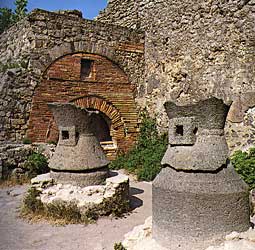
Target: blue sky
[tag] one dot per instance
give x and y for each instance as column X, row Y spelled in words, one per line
column 89, row 8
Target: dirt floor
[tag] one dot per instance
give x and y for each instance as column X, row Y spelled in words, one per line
column 17, row 234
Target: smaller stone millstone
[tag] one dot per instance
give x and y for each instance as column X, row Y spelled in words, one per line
column 79, row 158
column 198, row 197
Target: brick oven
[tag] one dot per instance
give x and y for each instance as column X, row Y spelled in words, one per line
column 93, row 82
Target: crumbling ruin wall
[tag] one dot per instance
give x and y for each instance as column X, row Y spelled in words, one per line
column 121, row 12
column 17, row 80
column 194, row 50
column 30, row 46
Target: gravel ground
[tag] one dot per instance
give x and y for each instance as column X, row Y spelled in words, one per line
column 17, row 234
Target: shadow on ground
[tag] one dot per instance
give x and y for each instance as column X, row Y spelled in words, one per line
column 134, row 201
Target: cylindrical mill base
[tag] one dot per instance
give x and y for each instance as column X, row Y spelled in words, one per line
column 193, row 210
column 82, row 179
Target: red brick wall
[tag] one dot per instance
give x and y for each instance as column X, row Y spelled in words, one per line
column 107, row 90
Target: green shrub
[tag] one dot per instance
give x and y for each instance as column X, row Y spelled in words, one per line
column 144, row 159
column 8, row 17
column 244, row 164
column 36, row 164
column 59, row 213
column 119, row 246
column 31, row 203
column 26, row 141
column 68, row 212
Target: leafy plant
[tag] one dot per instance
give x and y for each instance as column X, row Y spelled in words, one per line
column 8, row 17
column 244, row 164
column 119, row 246
column 31, row 203
column 36, row 164
column 26, row 141
column 144, row 159
column 21, row 9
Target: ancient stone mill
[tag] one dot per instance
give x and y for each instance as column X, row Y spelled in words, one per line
column 79, row 169
column 79, row 159
column 82, row 84
column 198, row 198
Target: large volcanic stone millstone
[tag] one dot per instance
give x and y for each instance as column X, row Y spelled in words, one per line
column 79, row 158
column 197, row 197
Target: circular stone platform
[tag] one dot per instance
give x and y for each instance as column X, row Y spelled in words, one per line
column 102, row 199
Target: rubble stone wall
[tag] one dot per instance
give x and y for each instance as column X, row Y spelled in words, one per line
column 29, row 47
column 17, row 80
column 12, row 158
column 193, row 50
column 122, row 12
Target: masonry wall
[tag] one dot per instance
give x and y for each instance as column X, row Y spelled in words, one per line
column 122, row 12
column 17, row 80
column 29, row 47
column 193, row 50
column 107, row 89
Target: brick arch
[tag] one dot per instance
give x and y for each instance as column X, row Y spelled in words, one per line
column 107, row 90
column 117, row 129
column 66, row 48
column 100, row 104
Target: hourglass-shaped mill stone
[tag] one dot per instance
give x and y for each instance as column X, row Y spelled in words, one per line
column 198, row 197
column 79, row 158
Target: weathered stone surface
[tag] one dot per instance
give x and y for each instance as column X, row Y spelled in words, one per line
column 141, row 238
column 194, row 49
column 42, row 180
column 136, row 239
column 101, row 199
column 198, row 209
column 196, row 136
column 1, row 169
column 198, row 184
column 240, row 136
column 235, row 240
column 83, row 179
column 12, row 158
column 78, row 149
column 78, row 159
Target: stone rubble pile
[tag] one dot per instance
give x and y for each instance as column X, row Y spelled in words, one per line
column 141, row 238
column 99, row 196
